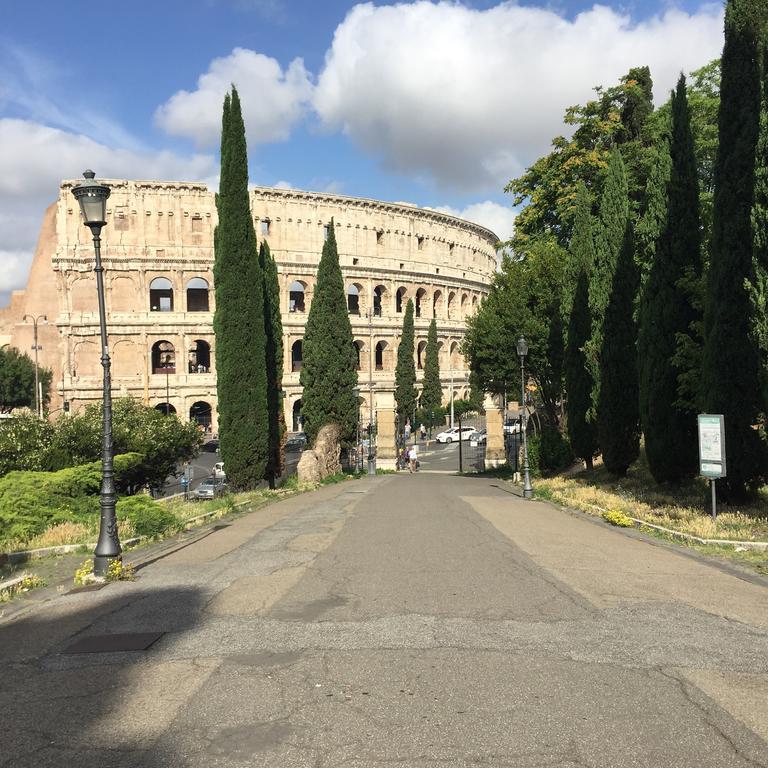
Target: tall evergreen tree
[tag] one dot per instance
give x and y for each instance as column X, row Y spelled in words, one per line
column 405, row 371
column 273, row 328
column 582, row 431
column 432, row 390
column 668, row 313
column 329, row 368
column 618, row 418
column 238, row 321
column 610, row 232
column 730, row 375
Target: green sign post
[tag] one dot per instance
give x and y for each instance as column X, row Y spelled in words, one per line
column 712, row 451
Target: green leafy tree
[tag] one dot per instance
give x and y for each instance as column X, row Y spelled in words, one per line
column 730, row 367
column 163, row 442
column 582, row 431
column 618, row 414
column 239, row 317
column 17, row 379
column 329, row 367
column 525, row 298
column 432, row 390
column 668, row 311
column 25, row 440
column 610, row 234
column 405, row 370
column 273, row 328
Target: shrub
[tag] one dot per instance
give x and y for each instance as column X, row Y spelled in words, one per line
column 147, row 517
column 617, row 517
column 549, row 451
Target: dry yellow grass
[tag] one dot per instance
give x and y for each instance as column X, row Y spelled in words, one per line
column 63, row 533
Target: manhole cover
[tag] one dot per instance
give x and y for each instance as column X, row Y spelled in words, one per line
column 137, row 641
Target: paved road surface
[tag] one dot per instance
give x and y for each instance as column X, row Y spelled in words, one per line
column 410, row 620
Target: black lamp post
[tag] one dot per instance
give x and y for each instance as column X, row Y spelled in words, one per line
column 522, row 351
column 356, row 393
column 36, row 347
column 92, row 197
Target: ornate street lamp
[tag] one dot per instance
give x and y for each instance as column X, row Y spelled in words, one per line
column 356, row 393
column 522, row 351
column 36, row 347
column 92, row 197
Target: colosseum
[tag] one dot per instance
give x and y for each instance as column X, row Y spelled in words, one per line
column 158, row 259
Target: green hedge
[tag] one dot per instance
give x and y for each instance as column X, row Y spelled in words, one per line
column 548, row 451
column 30, row 502
column 147, row 516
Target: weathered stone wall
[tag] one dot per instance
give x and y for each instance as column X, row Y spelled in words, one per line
column 322, row 460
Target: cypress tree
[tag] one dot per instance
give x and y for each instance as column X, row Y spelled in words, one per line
column 273, row 328
column 238, row 321
column 582, row 432
column 730, row 375
column 610, row 232
column 618, row 409
column 405, row 371
column 667, row 312
column 432, row 391
column 329, row 369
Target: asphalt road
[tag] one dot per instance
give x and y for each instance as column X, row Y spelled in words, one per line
column 409, row 620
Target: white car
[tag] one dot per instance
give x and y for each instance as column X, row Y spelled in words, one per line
column 453, row 434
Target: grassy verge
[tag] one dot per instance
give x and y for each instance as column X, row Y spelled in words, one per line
column 684, row 508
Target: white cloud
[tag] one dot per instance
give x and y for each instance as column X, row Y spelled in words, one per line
column 500, row 219
column 272, row 100
column 34, row 158
column 471, row 97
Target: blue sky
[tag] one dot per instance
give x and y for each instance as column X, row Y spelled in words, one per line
column 434, row 103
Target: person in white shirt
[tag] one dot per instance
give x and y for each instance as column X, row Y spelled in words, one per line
column 412, row 459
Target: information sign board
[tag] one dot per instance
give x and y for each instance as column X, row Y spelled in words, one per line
column 711, row 445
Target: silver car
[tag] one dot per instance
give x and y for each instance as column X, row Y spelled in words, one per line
column 210, row 488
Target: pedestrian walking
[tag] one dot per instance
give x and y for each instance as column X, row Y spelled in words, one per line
column 423, row 432
column 413, row 460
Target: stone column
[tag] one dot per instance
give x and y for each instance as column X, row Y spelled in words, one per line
column 386, row 450
column 495, row 454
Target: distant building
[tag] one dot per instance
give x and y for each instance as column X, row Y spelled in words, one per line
column 158, row 256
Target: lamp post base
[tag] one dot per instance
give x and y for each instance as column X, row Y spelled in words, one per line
column 371, row 465
column 101, row 564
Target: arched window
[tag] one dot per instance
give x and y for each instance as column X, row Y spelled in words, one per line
column 437, row 303
column 161, row 295
column 353, row 299
column 197, row 295
column 359, row 346
column 379, row 295
column 201, row 413
column 451, row 304
column 421, row 354
column 421, row 296
column 200, row 357
column 296, row 297
column 163, row 357
column 474, row 303
column 298, row 419
column 454, row 356
column 464, row 304
column 401, row 298
column 380, row 350
column 165, row 408
column 296, row 356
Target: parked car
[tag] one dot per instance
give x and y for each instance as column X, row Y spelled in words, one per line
column 512, row 427
column 212, row 446
column 210, row 488
column 478, row 437
column 453, row 434
column 218, row 471
column 296, row 442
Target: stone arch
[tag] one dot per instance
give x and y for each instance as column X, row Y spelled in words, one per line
column 379, row 298
column 87, row 356
column 401, row 299
column 420, row 302
column 359, row 349
column 437, row 304
column 166, row 408
column 296, row 355
column 297, row 416
column 125, row 359
column 297, row 296
column 83, row 296
column 454, row 359
column 198, row 295
column 199, row 357
column 201, row 412
column 451, row 305
column 123, row 294
column 464, row 304
column 383, row 356
column 474, row 304
column 421, row 354
column 161, row 295
column 163, row 357
column 355, row 299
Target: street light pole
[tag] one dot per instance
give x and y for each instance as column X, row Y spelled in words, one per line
column 92, row 198
column 36, row 347
column 522, row 351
